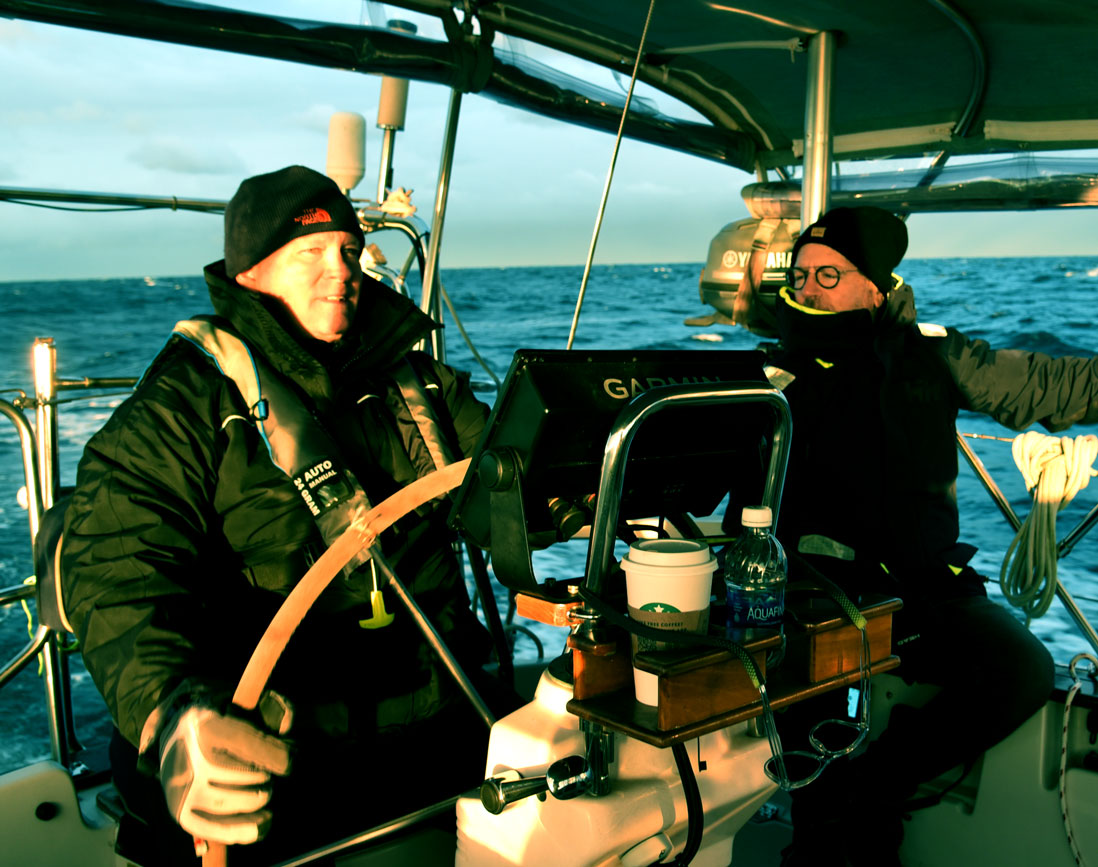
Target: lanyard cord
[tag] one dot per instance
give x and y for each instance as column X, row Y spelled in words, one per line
column 609, row 178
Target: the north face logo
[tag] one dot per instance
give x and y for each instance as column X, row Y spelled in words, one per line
column 313, row 215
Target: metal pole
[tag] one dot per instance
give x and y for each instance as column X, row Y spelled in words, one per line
column 436, row 642
column 56, row 685
column 816, row 184
column 1075, row 535
column 173, row 203
column 30, row 464
column 380, row 832
column 430, row 298
column 385, row 174
column 44, row 363
column 55, row 672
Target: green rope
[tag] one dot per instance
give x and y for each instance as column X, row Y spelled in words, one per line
column 32, row 580
column 818, row 579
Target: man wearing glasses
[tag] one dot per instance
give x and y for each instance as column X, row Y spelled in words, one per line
column 870, row 503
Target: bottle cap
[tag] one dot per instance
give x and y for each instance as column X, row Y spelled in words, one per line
column 756, row 516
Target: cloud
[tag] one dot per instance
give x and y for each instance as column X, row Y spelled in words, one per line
column 174, row 156
column 79, row 111
column 315, row 117
column 15, row 32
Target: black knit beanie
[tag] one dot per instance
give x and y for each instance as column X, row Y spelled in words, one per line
column 871, row 238
column 270, row 210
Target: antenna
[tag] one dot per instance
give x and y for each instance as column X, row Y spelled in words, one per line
column 391, row 107
column 346, row 149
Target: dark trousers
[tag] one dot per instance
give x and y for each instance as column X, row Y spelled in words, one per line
column 993, row 674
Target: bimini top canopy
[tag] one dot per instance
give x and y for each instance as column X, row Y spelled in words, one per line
column 910, row 76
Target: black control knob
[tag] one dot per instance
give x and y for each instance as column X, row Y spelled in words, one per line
column 566, row 518
column 497, row 469
column 569, row 777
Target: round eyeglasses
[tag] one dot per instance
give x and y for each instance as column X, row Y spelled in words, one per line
column 828, row 276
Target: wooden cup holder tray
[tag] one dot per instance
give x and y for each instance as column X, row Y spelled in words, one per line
column 704, row 690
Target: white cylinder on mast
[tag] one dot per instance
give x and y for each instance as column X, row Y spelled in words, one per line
column 392, row 103
column 346, row 149
column 393, row 100
column 391, row 108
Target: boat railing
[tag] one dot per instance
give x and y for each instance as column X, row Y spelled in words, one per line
column 39, row 450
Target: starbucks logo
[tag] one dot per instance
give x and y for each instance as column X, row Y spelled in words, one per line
column 660, row 608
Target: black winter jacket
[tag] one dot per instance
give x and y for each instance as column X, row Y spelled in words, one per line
column 183, row 539
column 873, row 461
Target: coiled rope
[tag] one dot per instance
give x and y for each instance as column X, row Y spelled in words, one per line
column 1055, row 469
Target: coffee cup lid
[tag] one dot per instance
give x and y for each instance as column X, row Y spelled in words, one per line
column 669, row 552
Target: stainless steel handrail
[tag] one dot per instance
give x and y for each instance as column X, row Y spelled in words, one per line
column 39, row 449
column 603, row 530
column 16, row 663
column 15, row 593
column 401, row 823
column 28, row 447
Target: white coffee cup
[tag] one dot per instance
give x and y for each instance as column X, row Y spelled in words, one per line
column 668, row 585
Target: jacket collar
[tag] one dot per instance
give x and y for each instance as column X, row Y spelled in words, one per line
column 830, row 335
column 386, row 326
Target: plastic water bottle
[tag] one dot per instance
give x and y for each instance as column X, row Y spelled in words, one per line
column 755, row 573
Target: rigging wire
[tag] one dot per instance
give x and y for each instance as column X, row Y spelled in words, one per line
column 465, row 335
column 79, row 210
column 609, row 178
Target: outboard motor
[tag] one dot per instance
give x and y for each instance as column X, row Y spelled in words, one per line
column 748, row 259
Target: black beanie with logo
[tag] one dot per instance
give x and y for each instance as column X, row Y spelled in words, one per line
column 271, row 210
column 873, row 239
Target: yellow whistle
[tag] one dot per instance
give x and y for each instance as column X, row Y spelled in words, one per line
column 379, row 617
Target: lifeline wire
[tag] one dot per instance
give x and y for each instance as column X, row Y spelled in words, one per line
column 609, row 178
column 1055, row 469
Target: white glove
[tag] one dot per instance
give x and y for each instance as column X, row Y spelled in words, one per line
column 216, row 772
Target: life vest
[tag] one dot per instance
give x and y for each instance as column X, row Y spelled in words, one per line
column 296, row 441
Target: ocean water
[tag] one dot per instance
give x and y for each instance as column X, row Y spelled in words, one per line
column 115, row 327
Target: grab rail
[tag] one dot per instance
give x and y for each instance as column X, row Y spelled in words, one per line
column 39, row 450
column 600, row 550
column 27, row 446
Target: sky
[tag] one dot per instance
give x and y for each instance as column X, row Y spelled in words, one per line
column 99, row 113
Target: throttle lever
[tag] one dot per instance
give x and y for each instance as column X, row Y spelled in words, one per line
column 496, row 793
column 565, row 779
